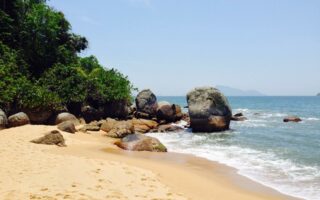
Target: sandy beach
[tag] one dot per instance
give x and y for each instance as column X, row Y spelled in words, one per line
column 91, row 167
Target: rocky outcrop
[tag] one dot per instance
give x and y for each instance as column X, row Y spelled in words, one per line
column 3, row 120
column 144, row 125
column 65, row 116
column 146, row 104
column 139, row 142
column 38, row 116
column 209, row 110
column 292, row 119
column 117, row 129
column 18, row 119
column 238, row 117
column 51, row 138
column 168, row 112
column 67, row 126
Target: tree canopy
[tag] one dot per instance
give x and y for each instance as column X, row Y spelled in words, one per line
column 39, row 63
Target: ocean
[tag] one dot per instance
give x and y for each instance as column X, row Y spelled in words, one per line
column 284, row 156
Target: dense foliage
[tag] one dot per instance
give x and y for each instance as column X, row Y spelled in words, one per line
column 39, row 63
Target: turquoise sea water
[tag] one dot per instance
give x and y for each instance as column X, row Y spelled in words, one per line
column 284, row 156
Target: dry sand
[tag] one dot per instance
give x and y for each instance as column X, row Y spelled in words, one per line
column 91, row 167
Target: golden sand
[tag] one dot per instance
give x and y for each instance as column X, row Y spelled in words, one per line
column 91, row 167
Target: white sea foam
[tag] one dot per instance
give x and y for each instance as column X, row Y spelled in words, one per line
column 264, row 167
column 311, row 119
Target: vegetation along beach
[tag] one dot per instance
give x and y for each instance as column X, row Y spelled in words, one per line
column 159, row 100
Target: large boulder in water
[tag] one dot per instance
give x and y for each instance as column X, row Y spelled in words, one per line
column 18, row 119
column 209, row 110
column 146, row 104
column 3, row 120
column 168, row 112
column 139, row 142
column 51, row 138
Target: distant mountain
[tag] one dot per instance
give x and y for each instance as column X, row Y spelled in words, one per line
column 229, row 91
column 318, row 94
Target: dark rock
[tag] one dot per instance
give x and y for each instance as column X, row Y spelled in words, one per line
column 51, row 138
column 242, row 118
column 139, row 142
column 38, row 116
column 65, row 116
column 146, row 104
column 238, row 115
column 168, row 112
column 117, row 129
column 292, row 119
column 67, row 126
column 209, row 110
column 90, row 113
column 169, row 128
column 18, row 119
column 143, row 125
column 3, row 120
column 116, row 109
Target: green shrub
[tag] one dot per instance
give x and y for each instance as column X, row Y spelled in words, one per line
column 66, row 82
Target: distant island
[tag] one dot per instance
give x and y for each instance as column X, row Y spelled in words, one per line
column 229, row 91
column 318, row 94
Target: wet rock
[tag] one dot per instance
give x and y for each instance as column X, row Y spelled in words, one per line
column 139, row 142
column 238, row 117
column 67, row 126
column 292, row 119
column 51, row 138
column 209, row 110
column 18, row 119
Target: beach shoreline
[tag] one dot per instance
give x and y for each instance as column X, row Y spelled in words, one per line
column 82, row 170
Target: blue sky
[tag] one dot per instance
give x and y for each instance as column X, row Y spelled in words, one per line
column 171, row 46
